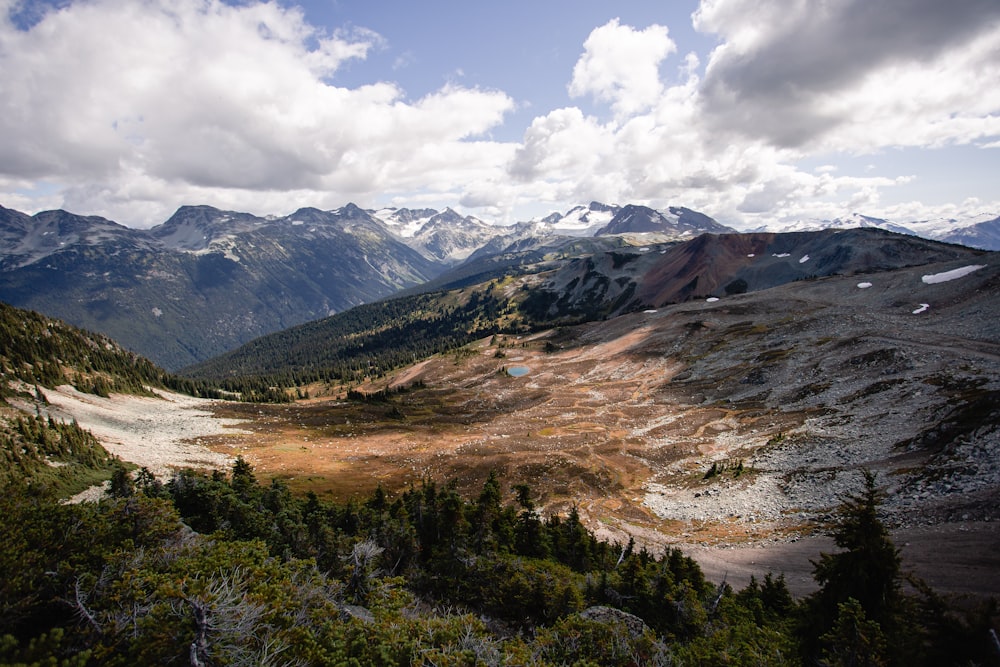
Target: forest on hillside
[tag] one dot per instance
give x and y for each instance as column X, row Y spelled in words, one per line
column 367, row 340
column 221, row 569
column 42, row 351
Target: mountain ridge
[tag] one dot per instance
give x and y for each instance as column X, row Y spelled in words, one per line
column 207, row 280
column 596, row 285
column 979, row 231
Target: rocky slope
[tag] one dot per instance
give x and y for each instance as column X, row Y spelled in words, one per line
column 747, row 411
column 741, row 420
column 713, row 424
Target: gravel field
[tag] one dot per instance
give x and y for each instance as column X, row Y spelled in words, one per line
column 161, row 433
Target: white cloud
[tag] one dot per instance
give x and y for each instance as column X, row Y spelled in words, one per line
column 789, row 81
column 129, row 109
column 620, row 65
column 133, row 103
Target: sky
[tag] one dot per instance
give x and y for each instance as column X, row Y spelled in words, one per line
column 751, row 111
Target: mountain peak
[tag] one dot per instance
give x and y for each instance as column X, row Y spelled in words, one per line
column 352, row 210
column 677, row 222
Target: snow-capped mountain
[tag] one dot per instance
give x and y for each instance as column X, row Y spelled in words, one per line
column 205, row 280
column 981, row 231
column 26, row 239
column 404, row 222
column 451, row 237
column 445, row 236
column 581, row 220
column 201, row 228
column 676, row 222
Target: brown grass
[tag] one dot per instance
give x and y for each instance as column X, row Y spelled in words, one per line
column 575, row 429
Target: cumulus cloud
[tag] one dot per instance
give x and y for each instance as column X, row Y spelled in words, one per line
column 120, row 99
column 620, row 65
column 788, row 81
column 129, row 109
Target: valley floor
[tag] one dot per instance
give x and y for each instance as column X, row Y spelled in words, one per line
column 163, row 434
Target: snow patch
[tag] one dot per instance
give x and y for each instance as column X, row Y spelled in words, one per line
column 712, row 299
column 935, row 278
column 864, row 285
column 751, row 255
column 157, row 312
column 805, row 258
column 922, row 308
column 782, row 254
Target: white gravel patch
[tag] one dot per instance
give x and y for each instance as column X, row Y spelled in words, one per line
column 759, row 500
column 159, row 433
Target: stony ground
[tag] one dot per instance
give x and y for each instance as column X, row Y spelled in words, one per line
column 162, row 434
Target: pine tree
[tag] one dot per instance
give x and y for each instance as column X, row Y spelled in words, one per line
column 867, row 571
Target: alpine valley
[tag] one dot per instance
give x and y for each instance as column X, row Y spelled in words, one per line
column 616, row 436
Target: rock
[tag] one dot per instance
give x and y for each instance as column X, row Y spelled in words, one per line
column 609, row 615
column 348, row 611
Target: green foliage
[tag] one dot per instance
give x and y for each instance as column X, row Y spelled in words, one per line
column 44, row 352
column 39, row 350
column 59, row 457
column 861, row 616
column 223, row 570
column 868, row 568
column 365, row 341
column 574, row 640
column 855, row 640
column 735, row 467
column 41, row 651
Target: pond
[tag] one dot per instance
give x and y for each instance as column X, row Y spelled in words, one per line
column 518, row 371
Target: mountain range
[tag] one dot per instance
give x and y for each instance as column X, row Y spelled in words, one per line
column 567, row 289
column 980, row 231
column 206, row 281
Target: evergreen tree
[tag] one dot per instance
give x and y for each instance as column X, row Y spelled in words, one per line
column 854, row 640
column 866, row 571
